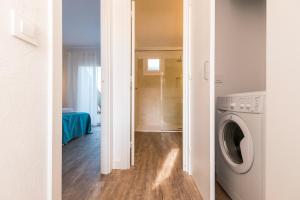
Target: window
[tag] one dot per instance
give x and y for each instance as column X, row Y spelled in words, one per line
column 153, row 65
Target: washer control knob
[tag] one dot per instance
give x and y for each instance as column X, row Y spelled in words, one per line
column 242, row 106
column 248, row 106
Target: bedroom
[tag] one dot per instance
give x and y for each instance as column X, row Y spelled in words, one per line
column 81, row 93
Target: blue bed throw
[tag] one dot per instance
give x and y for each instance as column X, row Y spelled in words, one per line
column 74, row 125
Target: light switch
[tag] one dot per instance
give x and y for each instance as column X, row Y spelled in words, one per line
column 23, row 29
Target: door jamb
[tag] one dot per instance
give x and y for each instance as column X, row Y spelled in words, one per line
column 186, row 86
column 212, row 83
column 55, row 41
column 54, row 165
column 106, row 60
column 132, row 81
column 54, row 141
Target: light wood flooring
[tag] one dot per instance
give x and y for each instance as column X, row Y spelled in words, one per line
column 157, row 174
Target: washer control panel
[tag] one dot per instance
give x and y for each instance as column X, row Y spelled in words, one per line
column 245, row 102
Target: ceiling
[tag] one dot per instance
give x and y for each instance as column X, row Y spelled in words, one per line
column 81, row 22
column 159, row 23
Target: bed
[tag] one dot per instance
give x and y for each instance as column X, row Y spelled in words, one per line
column 74, row 125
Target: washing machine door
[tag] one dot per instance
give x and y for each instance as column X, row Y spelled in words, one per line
column 236, row 143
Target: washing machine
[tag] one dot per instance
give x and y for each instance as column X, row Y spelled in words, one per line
column 240, row 135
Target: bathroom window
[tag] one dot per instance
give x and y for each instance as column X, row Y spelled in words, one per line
column 153, row 66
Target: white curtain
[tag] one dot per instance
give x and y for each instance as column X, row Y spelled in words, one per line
column 83, row 81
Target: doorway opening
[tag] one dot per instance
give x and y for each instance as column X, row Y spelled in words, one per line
column 158, row 86
column 198, row 81
column 81, row 99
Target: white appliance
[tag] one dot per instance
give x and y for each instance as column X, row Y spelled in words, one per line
column 240, row 144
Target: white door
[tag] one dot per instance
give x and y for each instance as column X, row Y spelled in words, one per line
column 132, row 80
column 202, row 95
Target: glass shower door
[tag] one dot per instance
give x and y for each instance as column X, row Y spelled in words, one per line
column 171, row 95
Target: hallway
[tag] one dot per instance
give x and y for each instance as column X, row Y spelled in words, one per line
column 157, row 173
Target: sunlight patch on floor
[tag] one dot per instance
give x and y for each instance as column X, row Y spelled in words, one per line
column 167, row 167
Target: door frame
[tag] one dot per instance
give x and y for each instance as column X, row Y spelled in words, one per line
column 186, row 85
column 186, row 69
column 106, row 60
column 54, row 142
column 55, row 89
column 132, row 81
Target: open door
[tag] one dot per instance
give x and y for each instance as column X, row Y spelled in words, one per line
column 201, row 56
column 132, row 82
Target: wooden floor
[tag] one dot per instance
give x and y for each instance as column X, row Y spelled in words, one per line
column 81, row 167
column 157, row 173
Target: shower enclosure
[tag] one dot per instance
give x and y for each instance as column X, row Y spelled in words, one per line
column 159, row 92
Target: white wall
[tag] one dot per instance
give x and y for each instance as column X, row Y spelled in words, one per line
column 23, row 105
column 283, row 100
column 240, row 45
column 159, row 23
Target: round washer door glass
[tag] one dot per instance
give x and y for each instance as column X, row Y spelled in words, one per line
column 236, row 143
